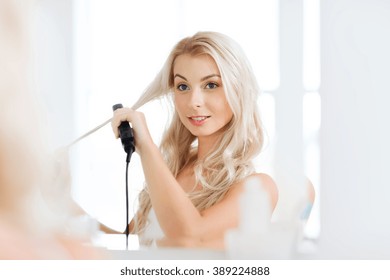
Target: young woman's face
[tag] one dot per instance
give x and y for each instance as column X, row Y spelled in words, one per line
column 200, row 99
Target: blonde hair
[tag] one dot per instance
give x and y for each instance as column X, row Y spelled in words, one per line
column 231, row 160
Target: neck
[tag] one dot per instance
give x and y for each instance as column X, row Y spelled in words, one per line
column 206, row 145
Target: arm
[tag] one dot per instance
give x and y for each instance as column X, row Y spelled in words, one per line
column 177, row 216
column 216, row 240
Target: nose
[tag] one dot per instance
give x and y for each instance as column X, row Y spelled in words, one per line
column 197, row 98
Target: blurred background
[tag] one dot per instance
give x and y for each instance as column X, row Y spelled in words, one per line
column 323, row 68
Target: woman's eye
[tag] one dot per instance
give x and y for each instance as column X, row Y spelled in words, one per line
column 182, row 87
column 211, row 86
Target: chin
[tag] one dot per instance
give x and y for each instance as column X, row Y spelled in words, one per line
column 204, row 133
column 198, row 132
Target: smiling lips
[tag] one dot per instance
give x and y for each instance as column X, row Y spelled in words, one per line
column 198, row 120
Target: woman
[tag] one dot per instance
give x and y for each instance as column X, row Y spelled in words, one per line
column 193, row 182
column 29, row 228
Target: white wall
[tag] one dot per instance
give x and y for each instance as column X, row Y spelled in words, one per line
column 53, row 38
column 355, row 134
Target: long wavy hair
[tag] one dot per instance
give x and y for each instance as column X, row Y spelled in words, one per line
column 231, row 160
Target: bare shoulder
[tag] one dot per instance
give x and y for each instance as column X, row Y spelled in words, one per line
column 263, row 180
column 270, row 186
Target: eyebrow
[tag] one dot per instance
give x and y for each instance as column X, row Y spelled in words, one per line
column 203, row 79
column 209, row 76
column 180, row 76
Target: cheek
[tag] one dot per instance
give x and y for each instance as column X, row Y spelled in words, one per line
column 180, row 104
column 224, row 110
column 228, row 115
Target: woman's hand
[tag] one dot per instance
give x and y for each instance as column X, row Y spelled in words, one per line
column 142, row 136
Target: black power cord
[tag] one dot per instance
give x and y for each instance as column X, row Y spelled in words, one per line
column 128, row 157
column 127, row 137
